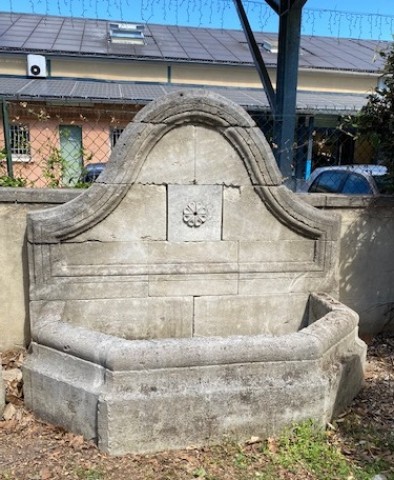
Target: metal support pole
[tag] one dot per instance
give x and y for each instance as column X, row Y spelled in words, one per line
column 308, row 169
column 7, row 139
column 286, row 85
column 256, row 54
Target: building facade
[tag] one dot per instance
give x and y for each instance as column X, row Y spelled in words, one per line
column 69, row 86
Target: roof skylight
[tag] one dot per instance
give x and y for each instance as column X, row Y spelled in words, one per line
column 270, row 46
column 126, row 33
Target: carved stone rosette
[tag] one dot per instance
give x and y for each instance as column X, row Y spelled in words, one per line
column 195, row 214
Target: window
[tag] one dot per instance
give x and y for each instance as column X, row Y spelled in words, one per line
column 20, row 143
column 115, row 134
column 329, row 182
column 357, row 185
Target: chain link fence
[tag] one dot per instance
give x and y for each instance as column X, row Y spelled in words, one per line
column 64, row 145
column 54, row 145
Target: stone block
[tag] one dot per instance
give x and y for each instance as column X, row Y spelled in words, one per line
column 207, row 406
column 63, row 389
column 14, row 331
column 141, row 215
column 188, row 253
column 134, row 318
column 249, row 315
column 194, row 213
column 245, row 217
column 193, row 285
column 227, row 168
column 188, row 155
column 290, row 251
column 172, row 159
column 282, row 283
column 88, row 289
column 79, row 255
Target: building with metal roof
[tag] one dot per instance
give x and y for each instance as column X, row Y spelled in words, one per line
column 83, row 62
column 72, row 69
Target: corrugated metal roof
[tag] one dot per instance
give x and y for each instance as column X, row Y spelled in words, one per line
column 31, row 33
column 111, row 92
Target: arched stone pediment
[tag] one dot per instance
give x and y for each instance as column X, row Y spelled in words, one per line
column 189, row 219
column 152, row 124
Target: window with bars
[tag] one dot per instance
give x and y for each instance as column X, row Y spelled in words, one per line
column 20, row 143
column 115, row 134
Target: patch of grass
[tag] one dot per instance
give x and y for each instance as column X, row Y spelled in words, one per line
column 89, row 474
column 305, row 446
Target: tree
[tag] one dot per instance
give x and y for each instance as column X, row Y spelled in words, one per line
column 375, row 121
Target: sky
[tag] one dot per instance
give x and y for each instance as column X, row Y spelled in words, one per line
column 337, row 18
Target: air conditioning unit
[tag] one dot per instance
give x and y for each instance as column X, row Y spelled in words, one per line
column 36, row 66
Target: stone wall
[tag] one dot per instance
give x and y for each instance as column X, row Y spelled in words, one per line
column 366, row 262
column 14, row 280
column 366, row 273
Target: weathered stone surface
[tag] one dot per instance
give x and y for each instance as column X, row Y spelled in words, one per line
column 152, row 386
column 194, row 213
column 193, row 285
column 188, row 155
column 200, row 106
column 63, row 389
column 134, row 318
column 245, row 217
column 2, row 393
column 13, row 279
column 215, row 399
column 149, row 302
column 249, row 315
column 140, row 216
column 172, row 160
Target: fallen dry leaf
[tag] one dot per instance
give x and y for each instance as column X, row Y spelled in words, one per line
column 272, row 445
column 45, row 474
column 9, row 412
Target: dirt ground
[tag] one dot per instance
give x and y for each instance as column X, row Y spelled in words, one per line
column 33, row 450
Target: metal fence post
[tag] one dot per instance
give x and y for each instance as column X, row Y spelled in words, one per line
column 7, row 139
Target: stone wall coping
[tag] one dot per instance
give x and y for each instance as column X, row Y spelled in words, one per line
column 116, row 354
column 324, row 200
column 49, row 196
column 53, row 196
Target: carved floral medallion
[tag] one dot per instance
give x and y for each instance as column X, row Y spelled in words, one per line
column 195, row 214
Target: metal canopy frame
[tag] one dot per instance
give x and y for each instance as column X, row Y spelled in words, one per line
column 282, row 100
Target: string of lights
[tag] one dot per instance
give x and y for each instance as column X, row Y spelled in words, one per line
column 219, row 13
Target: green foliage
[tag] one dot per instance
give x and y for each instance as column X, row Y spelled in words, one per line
column 54, row 170
column 306, row 445
column 375, row 121
column 7, row 181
